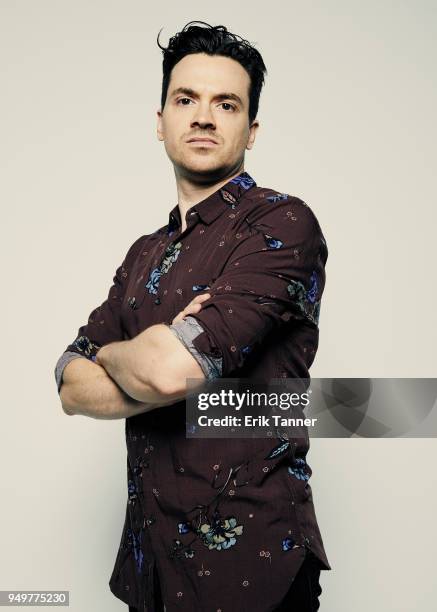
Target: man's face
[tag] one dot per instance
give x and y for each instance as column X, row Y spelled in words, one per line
column 208, row 97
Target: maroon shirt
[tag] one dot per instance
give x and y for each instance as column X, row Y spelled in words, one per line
column 221, row 538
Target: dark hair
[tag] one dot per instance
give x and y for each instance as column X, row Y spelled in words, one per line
column 214, row 40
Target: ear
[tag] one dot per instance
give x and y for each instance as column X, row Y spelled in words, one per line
column 159, row 127
column 252, row 133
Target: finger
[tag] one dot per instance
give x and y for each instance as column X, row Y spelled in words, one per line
column 200, row 298
column 204, row 296
column 190, row 309
column 177, row 318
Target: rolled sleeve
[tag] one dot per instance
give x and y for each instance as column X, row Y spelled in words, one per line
column 274, row 275
column 63, row 360
column 187, row 331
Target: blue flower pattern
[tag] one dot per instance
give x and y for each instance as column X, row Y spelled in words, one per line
column 135, row 542
column 171, row 254
column 299, row 469
column 312, row 291
column 277, row 197
column 305, row 300
column 220, row 534
column 200, row 287
column 244, row 180
column 288, row 544
column 85, row 346
column 132, row 492
column 273, row 243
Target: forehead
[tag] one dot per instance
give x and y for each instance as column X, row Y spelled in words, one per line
column 210, row 74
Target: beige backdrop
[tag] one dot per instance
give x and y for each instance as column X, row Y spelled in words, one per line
column 348, row 124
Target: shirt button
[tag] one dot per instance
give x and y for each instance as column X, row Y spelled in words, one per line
column 150, row 520
column 157, row 301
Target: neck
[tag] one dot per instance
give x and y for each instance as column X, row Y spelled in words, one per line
column 191, row 192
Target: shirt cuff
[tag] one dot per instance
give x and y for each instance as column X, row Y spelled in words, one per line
column 187, row 330
column 65, row 358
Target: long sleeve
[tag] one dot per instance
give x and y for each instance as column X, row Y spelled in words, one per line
column 104, row 322
column 274, row 275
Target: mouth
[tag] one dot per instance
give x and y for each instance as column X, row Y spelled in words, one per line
column 205, row 142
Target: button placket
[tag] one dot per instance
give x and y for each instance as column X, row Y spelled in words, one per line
column 144, row 270
column 176, row 236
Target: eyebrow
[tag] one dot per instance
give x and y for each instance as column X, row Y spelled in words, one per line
column 220, row 96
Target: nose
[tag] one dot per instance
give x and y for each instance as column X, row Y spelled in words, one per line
column 203, row 117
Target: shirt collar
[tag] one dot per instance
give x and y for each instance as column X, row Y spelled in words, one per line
column 225, row 198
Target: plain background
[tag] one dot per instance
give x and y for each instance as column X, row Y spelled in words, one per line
column 348, row 124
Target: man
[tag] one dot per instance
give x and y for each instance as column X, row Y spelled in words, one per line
column 230, row 287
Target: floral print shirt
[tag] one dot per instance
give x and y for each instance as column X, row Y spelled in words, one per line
column 225, row 522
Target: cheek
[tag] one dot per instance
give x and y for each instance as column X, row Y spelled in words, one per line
column 172, row 132
column 173, row 144
column 239, row 140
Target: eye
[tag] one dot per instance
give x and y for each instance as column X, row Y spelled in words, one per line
column 229, row 107
column 228, row 104
column 180, row 100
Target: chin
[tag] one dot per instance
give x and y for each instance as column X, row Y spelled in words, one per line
column 200, row 167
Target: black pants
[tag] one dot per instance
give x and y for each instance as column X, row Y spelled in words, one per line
column 157, row 593
column 303, row 595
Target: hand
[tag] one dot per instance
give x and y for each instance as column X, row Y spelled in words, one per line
column 194, row 306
